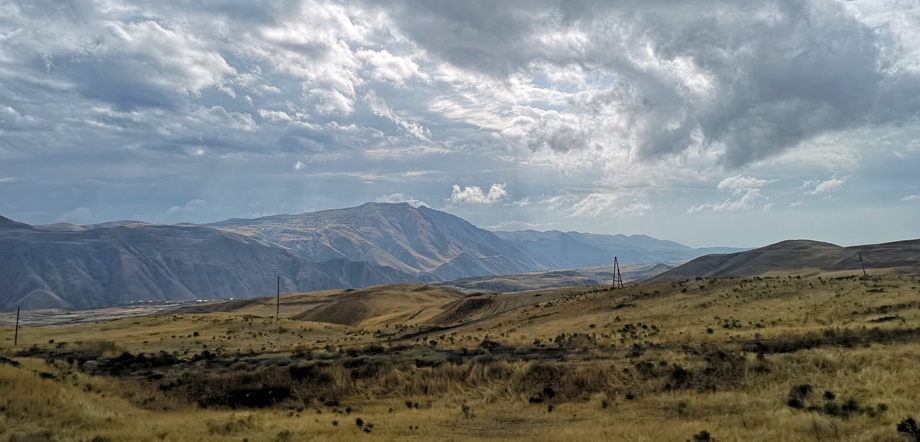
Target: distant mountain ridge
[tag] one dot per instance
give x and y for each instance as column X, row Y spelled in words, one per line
column 799, row 255
column 577, row 250
column 111, row 266
column 419, row 241
column 69, row 266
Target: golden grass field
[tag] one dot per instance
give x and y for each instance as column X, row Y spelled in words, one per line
column 657, row 362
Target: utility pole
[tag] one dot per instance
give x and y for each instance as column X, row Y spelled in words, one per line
column 617, row 277
column 278, row 302
column 862, row 265
column 16, row 336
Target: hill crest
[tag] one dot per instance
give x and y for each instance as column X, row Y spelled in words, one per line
column 800, row 255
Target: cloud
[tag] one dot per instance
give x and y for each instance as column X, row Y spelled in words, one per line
column 556, row 131
column 380, row 108
column 475, row 195
column 189, row 206
column 657, row 101
column 635, row 209
column 514, row 225
column 738, row 184
column 911, row 198
column 80, row 215
column 8, row 179
column 271, row 115
column 553, row 202
column 220, row 117
column 597, row 204
column 520, row 203
column 391, row 68
column 749, row 81
column 750, row 200
column 400, row 198
column 133, row 65
column 819, row 187
column 594, row 204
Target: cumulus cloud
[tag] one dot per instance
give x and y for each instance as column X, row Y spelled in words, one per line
column 388, row 67
column 556, row 131
column 819, row 187
column 400, row 198
column 80, row 215
column 299, row 165
column 475, row 195
column 738, row 184
column 189, row 206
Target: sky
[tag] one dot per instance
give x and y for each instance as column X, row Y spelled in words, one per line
column 711, row 123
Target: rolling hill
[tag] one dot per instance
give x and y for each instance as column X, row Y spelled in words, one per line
column 800, row 256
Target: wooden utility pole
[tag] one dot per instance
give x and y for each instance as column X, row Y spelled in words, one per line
column 861, row 264
column 278, row 302
column 617, row 277
column 16, row 335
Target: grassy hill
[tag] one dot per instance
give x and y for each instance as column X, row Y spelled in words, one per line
column 800, row 257
column 757, row 358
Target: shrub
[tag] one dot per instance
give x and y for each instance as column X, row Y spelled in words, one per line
column 702, row 436
column 909, row 427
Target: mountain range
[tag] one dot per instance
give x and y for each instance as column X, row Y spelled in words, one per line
column 69, row 266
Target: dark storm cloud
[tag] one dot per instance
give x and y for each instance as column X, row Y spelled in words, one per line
column 780, row 72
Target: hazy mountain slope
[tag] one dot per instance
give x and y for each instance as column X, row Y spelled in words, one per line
column 797, row 255
column 109, row 266
column 556, row 249
column 69, row 266
column 412, row 240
